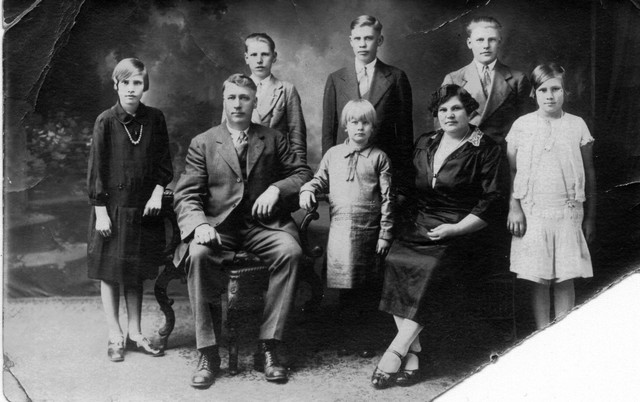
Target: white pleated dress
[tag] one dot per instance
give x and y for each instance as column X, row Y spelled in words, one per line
column 550, row 183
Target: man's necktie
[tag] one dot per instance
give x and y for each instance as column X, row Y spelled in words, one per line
column 240, row 143
column 486, row 81
column 364, row 82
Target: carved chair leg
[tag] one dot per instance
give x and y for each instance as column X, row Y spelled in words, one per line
column 231, row 325
column 165, row 303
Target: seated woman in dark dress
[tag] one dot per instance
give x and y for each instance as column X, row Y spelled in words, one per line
column 458, row 188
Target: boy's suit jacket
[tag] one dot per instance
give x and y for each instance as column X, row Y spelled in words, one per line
column 509, row 98
column 390, row 94
column 280, row 109
column 212, row 185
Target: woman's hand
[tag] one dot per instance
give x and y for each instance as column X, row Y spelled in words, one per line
column 103, row 222
column 154, row 205
column 516, row 221
column 383, row 246
column 589, row 229
column 307, row 200
column 444, row 231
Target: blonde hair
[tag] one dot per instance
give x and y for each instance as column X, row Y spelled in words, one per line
column 359, row 110
column 367, row 21
column 128, row 67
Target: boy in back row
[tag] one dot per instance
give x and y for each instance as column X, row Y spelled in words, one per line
column 502, row 92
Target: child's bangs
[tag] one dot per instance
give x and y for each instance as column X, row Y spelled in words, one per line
column 360, row 112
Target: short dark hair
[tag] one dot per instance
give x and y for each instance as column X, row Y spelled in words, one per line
column 367, row 21
column 240, row 80
column 128, row 67
column 446, row 92
column 261, row 37
column 486, row 20
column 544, row 72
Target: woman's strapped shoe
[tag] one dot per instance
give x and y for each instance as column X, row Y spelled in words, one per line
column 381, row 379
column 143, row 345
column 406, row 377
column 115, row 349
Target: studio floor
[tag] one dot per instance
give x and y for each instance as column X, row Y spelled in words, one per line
column 55, row 350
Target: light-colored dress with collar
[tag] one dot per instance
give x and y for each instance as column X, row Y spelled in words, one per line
column 550, row 184
column 358, row 184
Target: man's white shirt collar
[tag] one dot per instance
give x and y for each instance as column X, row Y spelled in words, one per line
column 235, row 133
column 370, row 66
column 491, row 66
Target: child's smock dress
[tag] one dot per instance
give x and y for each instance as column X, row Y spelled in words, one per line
column 550, row 184
column 121, row 176
column 358, row 183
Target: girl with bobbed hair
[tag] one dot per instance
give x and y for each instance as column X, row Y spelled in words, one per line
column 129, row 167
column 552, row 204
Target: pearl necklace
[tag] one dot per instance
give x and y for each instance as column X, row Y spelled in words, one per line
column 136, row 142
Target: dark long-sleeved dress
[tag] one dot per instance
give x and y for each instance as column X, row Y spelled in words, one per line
column 471, row 180
column 122, row 177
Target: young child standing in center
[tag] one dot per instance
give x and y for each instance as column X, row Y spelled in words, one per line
column 357, row 176
column 552, row 205
column 129, row 167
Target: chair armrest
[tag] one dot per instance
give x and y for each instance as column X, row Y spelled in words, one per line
column 316, row 251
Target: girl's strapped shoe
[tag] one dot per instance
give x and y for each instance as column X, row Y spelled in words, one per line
column 143, row 345
column 115, row 349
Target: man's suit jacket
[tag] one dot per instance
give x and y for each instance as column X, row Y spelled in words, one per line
column 509, row 98
column 212, row 185
column 279, row 107
column 390, row 94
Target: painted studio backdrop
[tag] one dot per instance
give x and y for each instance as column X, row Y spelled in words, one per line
column 59, row 57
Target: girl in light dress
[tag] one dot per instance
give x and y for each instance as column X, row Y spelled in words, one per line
column 552, row 204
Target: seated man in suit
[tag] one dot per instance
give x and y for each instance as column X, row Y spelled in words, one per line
column 236, row 176
column 502, row 92
column 385, row 86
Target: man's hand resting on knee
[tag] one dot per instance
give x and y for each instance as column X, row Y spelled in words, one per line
column 206, row 235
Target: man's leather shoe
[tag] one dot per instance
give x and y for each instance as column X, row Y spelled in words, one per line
column 267, row 360
column 208, row 366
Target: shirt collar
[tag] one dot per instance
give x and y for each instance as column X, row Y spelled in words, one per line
column 348, row 150
column 235, row 133
column 370, row 66
column 125, row 118
column 264, row 81
column 491, row 66
column 474, row 138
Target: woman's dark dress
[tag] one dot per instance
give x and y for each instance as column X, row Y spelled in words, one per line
column 122, row 176
column 471, row 181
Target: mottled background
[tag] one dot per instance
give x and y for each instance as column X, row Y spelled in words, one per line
column 59, row 55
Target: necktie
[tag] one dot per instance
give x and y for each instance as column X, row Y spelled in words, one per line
column 486, row 80
column 353, row 156
column 364, row 82
column 240, row 143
